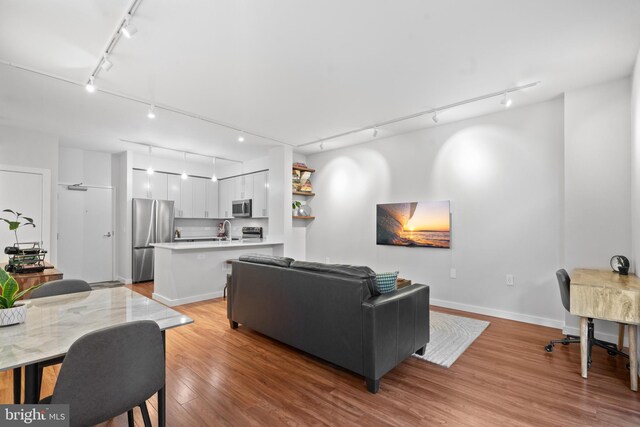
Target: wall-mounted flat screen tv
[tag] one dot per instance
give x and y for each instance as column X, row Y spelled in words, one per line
column 425, row 224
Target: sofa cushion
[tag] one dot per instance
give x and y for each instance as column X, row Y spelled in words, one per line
column 386, row 282
column 278, row 261
column 355, row 271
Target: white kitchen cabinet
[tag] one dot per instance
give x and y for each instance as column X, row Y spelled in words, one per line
column 199, row 197
column 226, row 189
column 158, row 183
column 174, row 193
column 141, row 185
column 260, row 192
column 186, row 198
column 247, row 187
column 211, row 202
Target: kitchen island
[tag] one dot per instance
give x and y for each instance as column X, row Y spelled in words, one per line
column 186, row 272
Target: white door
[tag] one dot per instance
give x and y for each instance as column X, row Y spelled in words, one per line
column 85, row 234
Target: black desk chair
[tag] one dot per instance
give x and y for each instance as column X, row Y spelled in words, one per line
column 565, row 293
column 56, row 287
column 111, row 371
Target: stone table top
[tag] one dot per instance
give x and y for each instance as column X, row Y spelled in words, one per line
column 54, row 323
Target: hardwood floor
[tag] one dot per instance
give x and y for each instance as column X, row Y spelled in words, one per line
column 218, row 376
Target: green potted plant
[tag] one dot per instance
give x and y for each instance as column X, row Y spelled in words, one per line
column 12, row 312
column 16, row 222
column 295, row 205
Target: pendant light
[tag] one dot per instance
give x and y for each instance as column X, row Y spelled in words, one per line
column 184, row 167
column 213, row 177
column 150, row 168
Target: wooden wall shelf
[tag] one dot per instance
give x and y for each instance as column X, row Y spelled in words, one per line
column 303, row 217
column 303, row 193
column 300, row 168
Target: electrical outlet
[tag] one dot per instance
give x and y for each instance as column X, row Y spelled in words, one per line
column 509, row 279
column 452, row 273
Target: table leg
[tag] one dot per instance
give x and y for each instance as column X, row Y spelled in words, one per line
column 620, row 336
column 162, row 393
column 584, row 346
column 633, row 355
column 17, row 385
column 31, row 384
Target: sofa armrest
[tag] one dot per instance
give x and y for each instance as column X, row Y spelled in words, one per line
column 395, row 325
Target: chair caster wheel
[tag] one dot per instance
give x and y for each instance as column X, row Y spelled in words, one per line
column 549, row 348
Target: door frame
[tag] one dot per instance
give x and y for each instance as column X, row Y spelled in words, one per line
column 47, row 236
column 114, row 221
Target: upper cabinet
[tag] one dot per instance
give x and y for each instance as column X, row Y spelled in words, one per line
column 140, row 185
column 260, row 195
column 226, row 189
column 211, row 200
column 147, row 186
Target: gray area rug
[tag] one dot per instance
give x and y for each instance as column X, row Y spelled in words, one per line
column 450, row 337
column 103, row 285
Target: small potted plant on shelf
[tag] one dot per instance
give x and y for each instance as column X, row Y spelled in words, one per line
column 12, row 312
column 295, row 205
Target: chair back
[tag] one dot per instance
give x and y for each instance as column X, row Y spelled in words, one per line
column 60, row 287
column 107, row 372
column 565, row 285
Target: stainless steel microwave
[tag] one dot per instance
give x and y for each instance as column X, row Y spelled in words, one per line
column 241, row 208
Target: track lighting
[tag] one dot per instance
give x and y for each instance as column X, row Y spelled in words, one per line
column 106, row 64
column 151, row 112
column 90, row 87
column 128, row 29
column 435, row 117
column 241, row 139
column 506, row 101
column 322, row 146
column 184, row 164
column 149, row 170
column 375, row 132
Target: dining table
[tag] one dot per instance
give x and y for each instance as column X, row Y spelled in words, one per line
column 54, row 323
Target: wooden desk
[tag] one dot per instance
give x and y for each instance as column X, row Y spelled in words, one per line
column 604, row 294
column 26, row 280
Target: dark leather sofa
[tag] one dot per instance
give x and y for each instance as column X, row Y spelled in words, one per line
column 333, row 312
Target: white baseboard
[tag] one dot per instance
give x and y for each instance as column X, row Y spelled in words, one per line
column 543, row 321
column 126, row 281
column 189, row 300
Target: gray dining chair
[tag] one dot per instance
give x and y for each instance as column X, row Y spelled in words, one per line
column 111, row 371
column 49, row 289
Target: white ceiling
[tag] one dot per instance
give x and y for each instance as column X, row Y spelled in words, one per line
column 295, row 70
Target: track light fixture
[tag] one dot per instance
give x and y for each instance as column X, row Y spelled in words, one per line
column 151, row 112
column 322, row 146
column 106, row 64
column 506, row 101
column 184, row 164
column 435, row 117
column 375, row 132
column 90, row 87
column 128, row 29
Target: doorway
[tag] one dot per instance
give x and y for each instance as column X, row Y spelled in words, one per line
column 86, row 233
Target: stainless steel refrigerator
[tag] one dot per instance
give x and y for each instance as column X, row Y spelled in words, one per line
column 153, row 222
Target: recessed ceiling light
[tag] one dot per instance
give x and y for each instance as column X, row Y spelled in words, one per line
column 90, row 87
column 151, row 112
column 241, row 139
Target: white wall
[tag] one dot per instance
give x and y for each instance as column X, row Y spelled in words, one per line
column 121, row 178
column 635, row 170
column 20, row 147
column 89, row 167
column 597, row 181
column 504, row 176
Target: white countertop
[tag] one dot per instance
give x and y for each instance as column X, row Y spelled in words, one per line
column 179, row 246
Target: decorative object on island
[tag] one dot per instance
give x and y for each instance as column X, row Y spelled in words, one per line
column 620, row 264
column 12, row 313
column 425, row 224
column 26, row 257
